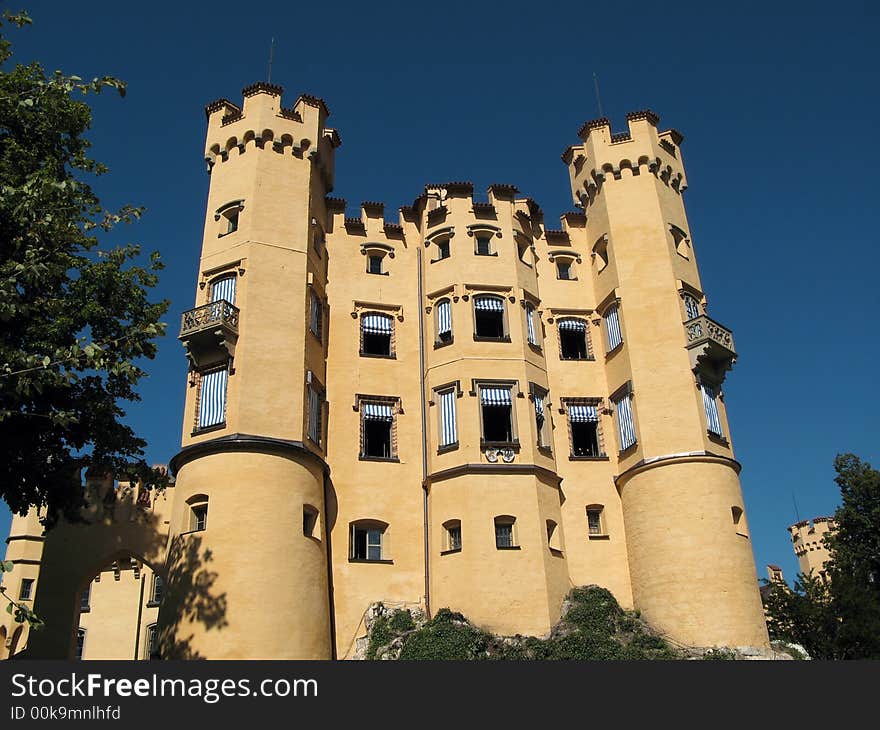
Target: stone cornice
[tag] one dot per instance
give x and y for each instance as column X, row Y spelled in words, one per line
column 245, row 443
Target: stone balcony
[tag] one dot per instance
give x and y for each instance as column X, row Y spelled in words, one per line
column 209, row 333
column 710, row 346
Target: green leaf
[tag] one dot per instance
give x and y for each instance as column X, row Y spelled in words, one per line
column 6, row 566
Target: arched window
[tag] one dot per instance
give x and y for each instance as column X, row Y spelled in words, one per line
column 452, row 536
column 377, row 332
column 505, row 532
column 573, row 339
column 489, row 321
column 444, row 322
column 223, row 288
column 691, row 306
column 198, row 512
column 228, row 215
column 369, row 541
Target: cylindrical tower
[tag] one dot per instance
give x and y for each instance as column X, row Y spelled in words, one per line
column 248, row 528
column 690, row 558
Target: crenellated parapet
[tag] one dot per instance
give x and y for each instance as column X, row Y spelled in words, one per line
column 262, row 123
column 605, row 156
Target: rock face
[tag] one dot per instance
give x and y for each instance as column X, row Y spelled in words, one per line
column 592, row 627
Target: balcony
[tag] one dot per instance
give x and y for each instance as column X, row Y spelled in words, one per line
column 209, row 333
column 710, row 345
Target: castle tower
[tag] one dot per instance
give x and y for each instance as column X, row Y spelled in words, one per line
column 249, row 514
column 24, row 549
column 690, row 558
column 808, row 543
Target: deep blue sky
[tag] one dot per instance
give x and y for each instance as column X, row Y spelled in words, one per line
column 778, row 103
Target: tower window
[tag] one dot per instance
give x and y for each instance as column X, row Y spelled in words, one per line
column 310, row 521
column 483, row 244
column 564, row 270
column 600, row 254
column 80, row 643
column 316, row 312
column 156, row 592
column 583, row 422
column 554, row 541
column 152, row 641
column 531, row 329
column 489, row 317
column 444, row 322
column 25, row 592
column 505, row 538
column 710, row 405
column 376, row 335
column 442, row 249
column 595, row 520
column 377, row 426
column 212, row 398
column 542, row 424
column 198, row 514
column 681, row 241
column 223, row 289
column 452, row 529
column 691, row 307
column 227, row 216
column 374, row 264
column 496, row 407
column 573, row 339
column 85, row 598
column 368, row 541
column 316, row 409
column 448, row 424
column 612, row 327
column 626, row 429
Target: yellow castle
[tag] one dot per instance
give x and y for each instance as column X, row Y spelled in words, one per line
column 464, row 407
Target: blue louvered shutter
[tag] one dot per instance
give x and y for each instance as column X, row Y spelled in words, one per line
column 224, row 288
column 488, row 304
column 578, row 413
column 376, row 324
column 612, row 327
column 377, row 412
column 444, row 318
column 495, row 396
column 448, row 426
column 626, row 429
column 710, row 403
column 212, row 399
column 576, row 325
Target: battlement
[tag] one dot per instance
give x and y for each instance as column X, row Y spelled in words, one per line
column 604, row 155
column 261, row 122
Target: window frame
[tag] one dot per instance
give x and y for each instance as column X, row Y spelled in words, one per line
column 316, row 315
column 508, row 521
column 505, row 326
column 438, row 339
column 368, row 526
column 513, row 387
column 198, row 513
column 396, row 409
column 602, row 528
column 156, row 582
column 29, row 583
column 392, row 339
column 588, row 349
column 441, row 390
column 450, row 545
column 568, row 262
column 624, row 393
column 315, row 435
column 544, row 431
column 200, row 378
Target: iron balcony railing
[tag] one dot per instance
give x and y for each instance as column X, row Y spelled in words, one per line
column 220, row 314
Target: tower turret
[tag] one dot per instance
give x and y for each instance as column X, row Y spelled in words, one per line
column 691, row 564
column 249, row 504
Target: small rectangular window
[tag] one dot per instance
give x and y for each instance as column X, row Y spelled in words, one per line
column 199, row 516
column 489, row 317
column 377, row 422
column 374, row 264
column 573, row 339
column 448, row 425
column 504, row 533
column 530, row 325
column 542, row 425
column 496, row 407
column 710, row 405
column 626, row 430
column 212, row 398
column 366, row 543
column 152, row 641
column 563, row 270
column 156, row 593
column 612, row 328
column 376, row 335
column 484, row 245
column 316, row 312
column 27, row 588
column 85, row 598
column 444, row 322
column 594, row 521
column 454, row 534
column 316, row 407
column 443, row 249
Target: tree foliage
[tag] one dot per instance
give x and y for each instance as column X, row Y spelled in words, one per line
column 840, row 618
column 75, row 316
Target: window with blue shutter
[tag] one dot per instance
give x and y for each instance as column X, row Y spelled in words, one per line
column 212, row 398
column 710, row 404
column 444, row 321
column 448, row 425
column 626, row 429
column 612, row 327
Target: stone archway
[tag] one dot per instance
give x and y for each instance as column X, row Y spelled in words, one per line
column 118, row 527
